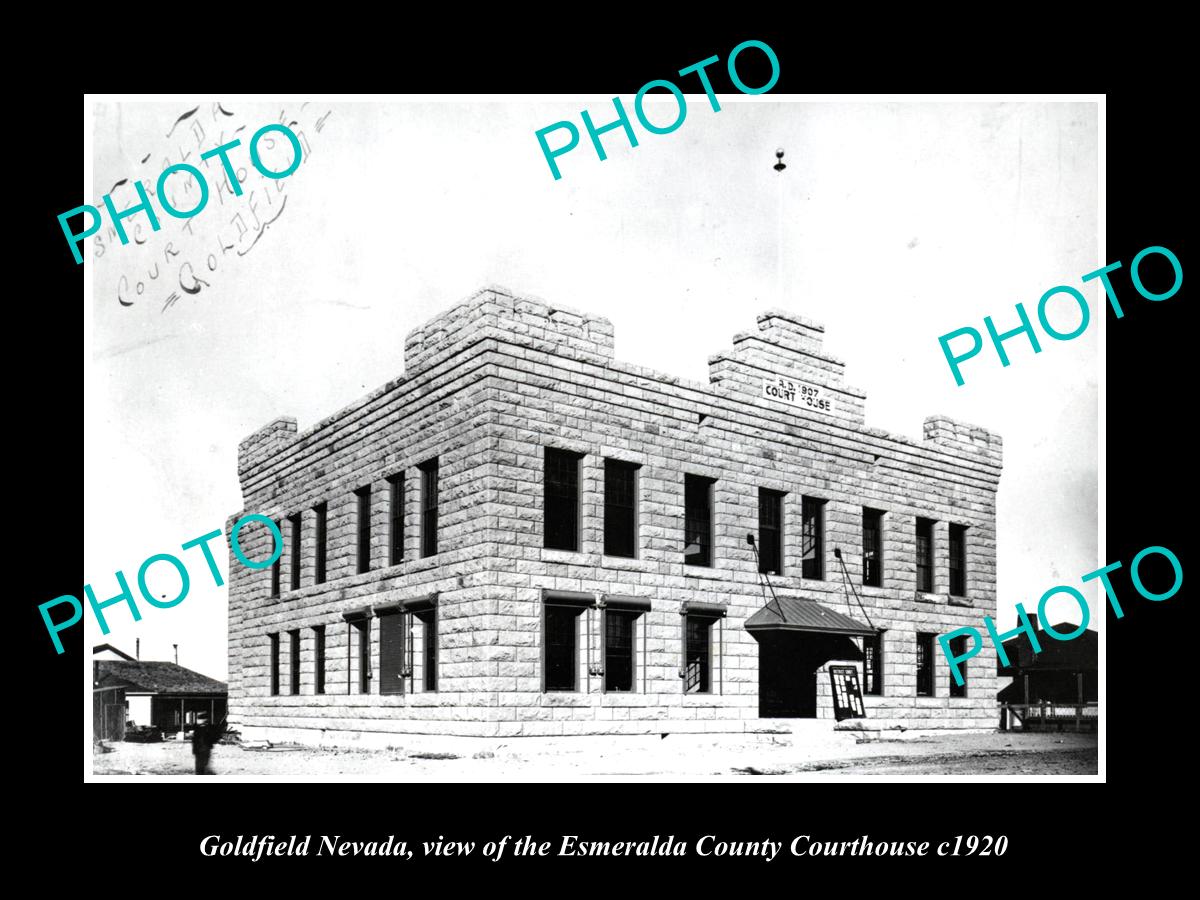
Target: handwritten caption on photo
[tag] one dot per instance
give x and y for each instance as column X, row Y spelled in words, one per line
column 185, row 260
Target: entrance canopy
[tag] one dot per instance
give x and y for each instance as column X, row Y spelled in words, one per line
column 788, row 614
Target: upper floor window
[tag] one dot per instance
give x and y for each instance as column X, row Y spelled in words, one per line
column 872, row 548
column 958, row 560
column 770, row 531
column 812, row 538
column 396, row 519
column 364, row 528
column 697, row 516
column 925, row 555
column 321, row 511
column 620, row 508
column 562, row 499
column 429, row 507
column 294, row 525
column 275, row 566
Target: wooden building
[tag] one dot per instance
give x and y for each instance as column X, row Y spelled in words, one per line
column 1063, row 672
column 162, row 694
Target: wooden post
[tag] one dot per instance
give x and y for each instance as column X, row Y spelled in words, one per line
column 1079, row 704
column 182, row 720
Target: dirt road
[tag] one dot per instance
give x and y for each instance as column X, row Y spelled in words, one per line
column 955, row 754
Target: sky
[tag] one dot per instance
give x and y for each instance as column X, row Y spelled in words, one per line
column 900, row 222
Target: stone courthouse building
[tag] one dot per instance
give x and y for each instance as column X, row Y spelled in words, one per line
column 524, row 536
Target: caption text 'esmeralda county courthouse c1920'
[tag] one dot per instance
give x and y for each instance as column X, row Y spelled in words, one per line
column 524, row 536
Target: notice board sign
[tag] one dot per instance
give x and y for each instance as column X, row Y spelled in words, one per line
column 847, row 697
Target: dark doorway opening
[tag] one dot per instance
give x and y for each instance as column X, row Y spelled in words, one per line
column 787, row 670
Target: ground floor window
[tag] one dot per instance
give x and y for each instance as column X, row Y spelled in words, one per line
column 618, row 650
column 274, row 638
column 358, row 650
column 703, row 640
column 925, row 665
column 391, row 652
column 560, row 639
column 429, row 619
column 873, row 664
column 621, row 633
column 958, row 647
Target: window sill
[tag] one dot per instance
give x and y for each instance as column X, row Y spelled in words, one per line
column 710, row 572
column 922, row 597
column 418, row 565
column 629, row 563
column 568, row 557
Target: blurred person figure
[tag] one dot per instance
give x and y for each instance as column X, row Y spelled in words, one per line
column 204, row 735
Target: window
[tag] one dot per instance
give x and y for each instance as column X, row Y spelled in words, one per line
column 363, row 628
column 561, row 660
column 873, row 664
column 429, row 619
column 697, row 670
column 321, row 511
column 275, row 567
column 561, row 483
column 620, row 508
column 391, row 652
column 925, row 665
column 274, row 663
column 770, row 531
column 958, row 560
column 294, row 661
column 925, row 555
column 618, row 649
column 872, row 548
column 364, row 528
column 697, row 520
column 429, row 507
column 319, row 659
column 396, row 519
column 958, row 647
column 812, row 538
column 294, row 527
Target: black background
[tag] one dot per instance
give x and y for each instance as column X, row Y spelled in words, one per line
column 1149, row 408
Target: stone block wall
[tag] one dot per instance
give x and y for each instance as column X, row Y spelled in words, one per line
column 488, row 386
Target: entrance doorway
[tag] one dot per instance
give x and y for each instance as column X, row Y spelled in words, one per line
column 787, row 670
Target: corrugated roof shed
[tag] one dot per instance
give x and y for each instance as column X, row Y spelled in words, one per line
column 1078, row 654
column 157, row 677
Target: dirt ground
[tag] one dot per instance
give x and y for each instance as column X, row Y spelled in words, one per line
column 676, row 756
